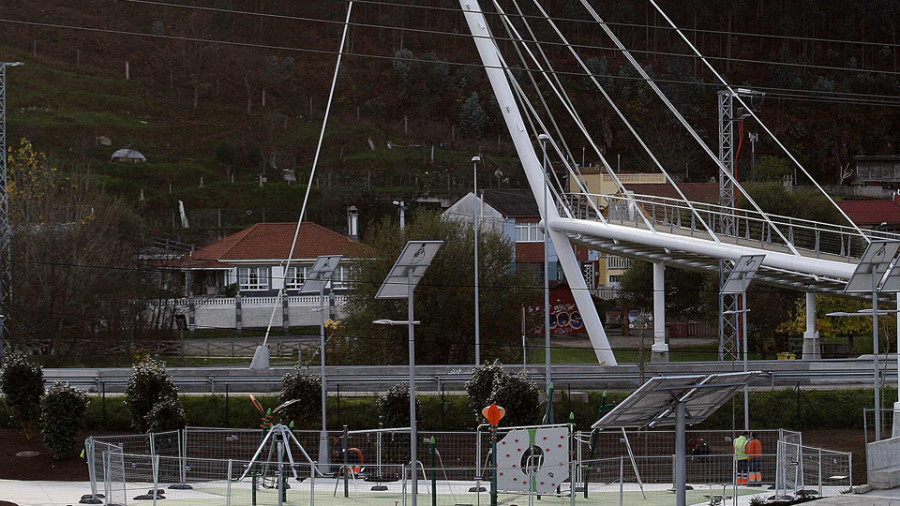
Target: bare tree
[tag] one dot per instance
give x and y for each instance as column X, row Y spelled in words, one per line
column 75, row 268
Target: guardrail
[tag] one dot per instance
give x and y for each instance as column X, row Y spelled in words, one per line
column 435, row 379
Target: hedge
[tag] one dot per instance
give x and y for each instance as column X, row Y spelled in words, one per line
column 784, row 408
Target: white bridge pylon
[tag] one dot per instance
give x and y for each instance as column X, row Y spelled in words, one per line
column 804, row 255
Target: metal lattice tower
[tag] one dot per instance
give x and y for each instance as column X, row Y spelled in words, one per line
column 728, row 317
column 729, row 329
column 726, row 156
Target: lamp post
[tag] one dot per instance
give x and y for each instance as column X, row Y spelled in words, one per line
column 5, row 230
column 402, row 205
column 400, row 283
column 743, row 315
column 753, row 138
column 543, row 138
column 874, row 312
column 317, row 278
column 476, row 224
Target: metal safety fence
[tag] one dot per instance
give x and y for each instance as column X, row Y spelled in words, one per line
column 249, row 466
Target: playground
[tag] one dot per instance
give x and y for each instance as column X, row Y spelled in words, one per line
column 277, row 465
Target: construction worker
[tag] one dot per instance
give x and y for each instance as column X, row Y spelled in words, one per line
column 753, row 448
column 740, row 454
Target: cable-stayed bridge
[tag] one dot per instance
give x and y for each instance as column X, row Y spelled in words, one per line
column 804, row 255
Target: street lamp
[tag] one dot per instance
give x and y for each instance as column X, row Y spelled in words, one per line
column 400, row 283
column 874, row 315
column 402, row 206
column 743, row 316
column 543, row 138
column 476, row 224
column 5, row 230
column 318, row 277
column 875, row 264
column 753, row 138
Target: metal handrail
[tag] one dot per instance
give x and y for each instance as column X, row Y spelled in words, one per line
column 816, row 237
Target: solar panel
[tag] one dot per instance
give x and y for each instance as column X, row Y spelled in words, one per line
column 409, row 269
column 742, row 274
column 875, row 261
column 320, row 274
column 653, row 403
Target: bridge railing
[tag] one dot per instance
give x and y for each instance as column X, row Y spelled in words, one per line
column 729, row 224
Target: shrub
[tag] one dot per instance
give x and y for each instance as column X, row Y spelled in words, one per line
column 472, row 118
column 167, row 414
column 148, row 385
column 519, row 396
column 63, row 411
column 516, row 393
column 23, row 385
column 393, row 407
column 480, row 386
column 305, row 388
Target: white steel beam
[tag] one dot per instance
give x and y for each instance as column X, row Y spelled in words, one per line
column 774, row 259
column 534, row 173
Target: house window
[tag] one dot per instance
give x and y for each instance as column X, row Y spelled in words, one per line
column 295, row 277
column 617, row 262
column 253, row 278
column 529, row 232
column 343, row 276
column 615, row 280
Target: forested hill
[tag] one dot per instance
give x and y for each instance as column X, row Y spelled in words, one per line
column 226, row 90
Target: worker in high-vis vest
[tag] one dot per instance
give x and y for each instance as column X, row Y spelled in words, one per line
column 753, row 449
column 740, row 454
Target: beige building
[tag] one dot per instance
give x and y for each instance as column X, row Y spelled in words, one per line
column 608, row 270
column 604, row 184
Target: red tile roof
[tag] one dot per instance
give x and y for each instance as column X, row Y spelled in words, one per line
column 272, row 241
column 871, row 212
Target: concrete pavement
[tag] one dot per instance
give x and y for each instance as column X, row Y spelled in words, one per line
column 55, row 493
column 43, row 492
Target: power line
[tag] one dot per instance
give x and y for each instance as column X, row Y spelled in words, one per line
column 888, row 101
column 456, row 10
column 506, row 39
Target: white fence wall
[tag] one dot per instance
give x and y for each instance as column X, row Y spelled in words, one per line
column 221, row 312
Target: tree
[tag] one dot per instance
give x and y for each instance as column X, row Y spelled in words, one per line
column 773, row 168
column 76, row 274
column 685, row 290
column 832, row 327
column 519, row 395
column 515, row 392
column 444, row 298
column 472, row 118
column 299, row 385
column 402, row 64
column 165, row 415
column 480, row 386
column 149, row 385
column 773, row 198
column 62, row 414
column 393, row 407
column 22, row 382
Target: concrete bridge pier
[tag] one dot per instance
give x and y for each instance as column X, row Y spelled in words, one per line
column 660, row 348
column 812, row 349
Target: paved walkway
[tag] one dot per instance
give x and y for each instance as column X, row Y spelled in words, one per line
column 55, row 493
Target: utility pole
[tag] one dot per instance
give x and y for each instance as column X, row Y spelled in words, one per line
column 729, row 315
column 5, row 230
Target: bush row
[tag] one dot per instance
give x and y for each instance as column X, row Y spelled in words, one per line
column 784, row 408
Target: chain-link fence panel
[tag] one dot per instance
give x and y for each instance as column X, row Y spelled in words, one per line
column 114, row 478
